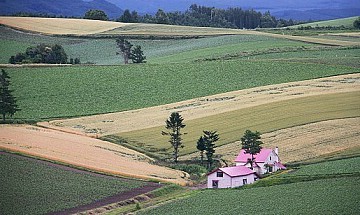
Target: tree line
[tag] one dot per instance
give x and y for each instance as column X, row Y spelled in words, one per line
column 195, row 15
column 203, row 16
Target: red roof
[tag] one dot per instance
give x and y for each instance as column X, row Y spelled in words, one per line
column 236, row 171
column 260, row 157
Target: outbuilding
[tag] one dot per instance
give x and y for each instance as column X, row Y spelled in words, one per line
column 230, row 177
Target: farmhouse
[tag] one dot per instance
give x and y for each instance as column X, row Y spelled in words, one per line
column 266, row 161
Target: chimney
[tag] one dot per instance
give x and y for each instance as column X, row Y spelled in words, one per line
column 276, row 150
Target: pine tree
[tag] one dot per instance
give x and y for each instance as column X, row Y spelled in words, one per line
column 7, row 100
column 201, row 147
column 210, row 137
column 175, row 124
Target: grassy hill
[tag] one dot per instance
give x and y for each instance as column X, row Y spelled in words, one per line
column 347, row 22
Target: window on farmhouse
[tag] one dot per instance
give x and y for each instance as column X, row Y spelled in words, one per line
column 219, row 174
column 244, row 181
column 215, row 184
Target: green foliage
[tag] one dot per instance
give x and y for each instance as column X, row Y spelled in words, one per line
column 251, row 143
column 356, row 23
column 200, row 145
column 41, row 54
column 329, row 196
column 137, row 55
column 92, row 89
column 124, row 47
column 8, row 104
column 96, row 15
column 174, row 124
column 33, row 187
column 208, row 140
column 192, row 169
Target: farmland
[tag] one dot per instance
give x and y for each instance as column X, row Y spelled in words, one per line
column 346, row 22
column 86, row 153
column 26, row 182
column 326, row 192
column 311, row 142
column 330, row 196
column 301, row 92
column 78, row 91
column 273, row 116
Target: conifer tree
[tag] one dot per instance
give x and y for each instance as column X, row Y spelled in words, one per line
column 8, row 104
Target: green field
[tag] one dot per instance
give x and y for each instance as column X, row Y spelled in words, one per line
column 330, row 196
column 337, row 167
column 269, row 117
column 327, row 192
column 347, row 22
column 30, row 187
column 75, row 91
column 103, row 51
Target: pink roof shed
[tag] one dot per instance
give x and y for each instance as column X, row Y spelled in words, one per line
column 260, row 157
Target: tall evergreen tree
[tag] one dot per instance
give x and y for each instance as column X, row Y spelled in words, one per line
column 210, row 137
column 251, row 144
column 201, row 147
column 137, row 55
column 175, row 124
column 126, row 17
column 8, row 104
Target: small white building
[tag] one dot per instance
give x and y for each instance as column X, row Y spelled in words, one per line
column 266, row 161
column 230, row 177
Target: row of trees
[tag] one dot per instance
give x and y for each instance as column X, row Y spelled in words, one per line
column 250, row 142
column 209, row 17
column 43, row 53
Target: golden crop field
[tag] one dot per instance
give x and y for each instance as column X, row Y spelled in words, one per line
column 264, row 118
column 78, row 27
column 304, row 142
column 59, row 26
column 84, row 152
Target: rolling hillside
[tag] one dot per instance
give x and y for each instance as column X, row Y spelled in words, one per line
column 347, row 22
column 70, row 8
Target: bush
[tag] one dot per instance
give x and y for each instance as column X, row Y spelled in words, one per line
column 41, row 53
column 192, row 169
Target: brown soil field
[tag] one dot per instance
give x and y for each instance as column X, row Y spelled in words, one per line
column 84, row 152
column 59, row 26
column 113, row 123
column 305, row 142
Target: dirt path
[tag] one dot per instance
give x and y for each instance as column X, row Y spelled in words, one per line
column 106, row 124
column 303, row 142
column 85, row 152
column 109, row 200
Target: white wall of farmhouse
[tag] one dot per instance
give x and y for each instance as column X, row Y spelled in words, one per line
column 229, row 182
